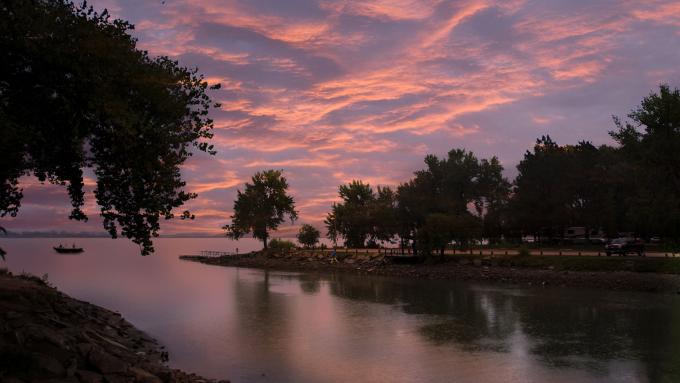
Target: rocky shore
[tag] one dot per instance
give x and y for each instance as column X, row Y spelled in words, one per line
column 47, row 336
column 488, row 269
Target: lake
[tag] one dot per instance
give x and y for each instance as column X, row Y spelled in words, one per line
column 254, row 326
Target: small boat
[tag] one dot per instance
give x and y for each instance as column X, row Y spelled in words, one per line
column 68, row 250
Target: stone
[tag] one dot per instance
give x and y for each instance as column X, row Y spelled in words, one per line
column 477, row 262
column 38, row 333
column 143, row 376
column 105, row 362
column 44, row 364
column 117, row 378
column 71, row 366
column 88, row 376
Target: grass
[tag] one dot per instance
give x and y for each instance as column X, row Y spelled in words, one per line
column 575, row 263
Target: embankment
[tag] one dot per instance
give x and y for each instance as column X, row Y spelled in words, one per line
column 616, row 273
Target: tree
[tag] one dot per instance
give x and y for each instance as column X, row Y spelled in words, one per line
column 435, row 207
column 261, row 207
column 650, row 146
column 75, row 94
column 308, row 235
column 2, row 252
column 363, row 215
column 540, row 201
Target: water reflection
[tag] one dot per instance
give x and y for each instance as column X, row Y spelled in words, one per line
column 581, row 329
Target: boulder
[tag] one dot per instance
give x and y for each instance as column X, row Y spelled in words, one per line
column 143, row 376
column 88, row 377
column 47, row 365
column 105, row 362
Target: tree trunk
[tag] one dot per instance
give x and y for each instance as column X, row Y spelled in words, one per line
column 264, row 241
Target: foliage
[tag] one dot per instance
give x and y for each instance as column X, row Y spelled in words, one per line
column 281, row 245
column 308, row 236
column 456, row 198
column 2, row 252
column 650, row 143
column 76, row 93
column 261, row 207
column 363, row 215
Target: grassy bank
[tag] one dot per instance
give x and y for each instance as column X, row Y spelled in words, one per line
column 576, row 263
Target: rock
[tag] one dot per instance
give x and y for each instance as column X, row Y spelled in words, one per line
column 58, row 380
column 464, row 262
column 88, row 376
column 477, row 262
column 12, row 380
column 38, row 333
column 71, row 366
column 143, row 376
column 47, row 365
column 117, row 378
column 106, row 363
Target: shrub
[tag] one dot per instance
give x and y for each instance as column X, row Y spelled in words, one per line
column 281, row 245
column 524, row 251
column 308, row 235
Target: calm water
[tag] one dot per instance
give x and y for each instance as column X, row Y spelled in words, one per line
column 252, row 326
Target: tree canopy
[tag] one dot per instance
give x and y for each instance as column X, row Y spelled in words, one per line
column 76, row 93
column 261, row 207
column 363, row 215
column 308, row 235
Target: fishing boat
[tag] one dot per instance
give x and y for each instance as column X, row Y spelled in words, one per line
column 68, row 250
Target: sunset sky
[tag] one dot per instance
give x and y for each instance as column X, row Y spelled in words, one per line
column 332, row 91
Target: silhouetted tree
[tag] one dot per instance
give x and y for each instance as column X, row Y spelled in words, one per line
column 261, row 207
column 541, row 198
column 351, row 218
column 437, row 205
column 308, row 235
column 75, row 93
column 2, row 252
column 650, row 144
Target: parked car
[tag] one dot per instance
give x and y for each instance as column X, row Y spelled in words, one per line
column 623, row 246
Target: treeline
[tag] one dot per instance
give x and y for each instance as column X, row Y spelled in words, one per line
column 633, row 187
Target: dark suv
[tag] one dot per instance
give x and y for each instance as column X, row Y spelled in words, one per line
column 623, row 246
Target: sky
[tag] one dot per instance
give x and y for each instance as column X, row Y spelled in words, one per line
column 336, row 90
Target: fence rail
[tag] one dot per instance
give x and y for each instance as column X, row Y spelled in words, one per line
column 489, row 252
column 211, row 253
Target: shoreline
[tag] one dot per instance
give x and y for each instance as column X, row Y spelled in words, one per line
column 46, row 335
column 507, row 270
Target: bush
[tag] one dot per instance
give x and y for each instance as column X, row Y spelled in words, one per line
column 308, row 236
column 281, row 245
column 523, row 251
